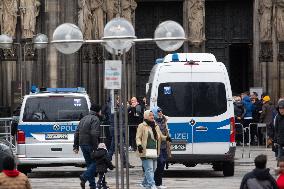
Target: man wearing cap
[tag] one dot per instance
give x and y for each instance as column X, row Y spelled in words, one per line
column 266, row 117
column 87, row 137
column 279, row 128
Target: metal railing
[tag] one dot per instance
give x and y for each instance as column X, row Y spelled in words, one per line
column 5, row 133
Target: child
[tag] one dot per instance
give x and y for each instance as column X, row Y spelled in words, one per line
column 102, row 164
column 280, row 179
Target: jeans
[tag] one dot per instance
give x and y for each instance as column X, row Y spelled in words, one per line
column 161, row 162
column 89, row 174
column 149, row 166
column 280, row 151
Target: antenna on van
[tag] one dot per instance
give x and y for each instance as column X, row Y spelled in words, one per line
column 191, row 62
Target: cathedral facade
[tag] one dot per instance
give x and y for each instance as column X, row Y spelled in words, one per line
column 246, row 35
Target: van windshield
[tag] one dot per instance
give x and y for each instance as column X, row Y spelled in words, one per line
column 196, row 99
column 55, row 109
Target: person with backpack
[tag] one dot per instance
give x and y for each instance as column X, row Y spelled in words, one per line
column 87, row 137
column 259, row 178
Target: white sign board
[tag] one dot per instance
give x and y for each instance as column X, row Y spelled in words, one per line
column 258, row 90
column 112, row 74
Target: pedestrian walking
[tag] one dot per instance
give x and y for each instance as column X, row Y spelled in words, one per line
column 259, row 178
column 165, row 151
column 279, row 129
column 148, row 140
column 87, row 137
column 11, row 178
column 102, row 164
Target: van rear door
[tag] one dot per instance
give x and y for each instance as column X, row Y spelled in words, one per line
column 49, row 123
column 211, row 115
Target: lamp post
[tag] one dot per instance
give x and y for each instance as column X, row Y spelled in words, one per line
column 6, row 42
column 119, row 35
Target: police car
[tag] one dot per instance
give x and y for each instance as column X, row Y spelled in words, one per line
column 47, row 122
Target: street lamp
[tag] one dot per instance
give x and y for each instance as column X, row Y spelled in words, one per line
column 6, row 42
column 119, row 35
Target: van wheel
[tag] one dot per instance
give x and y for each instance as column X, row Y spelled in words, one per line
column 228, row 168
column 217, row 166
column 24, row 169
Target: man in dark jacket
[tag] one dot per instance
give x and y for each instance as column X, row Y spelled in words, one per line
column 279, row 129
column 87, row 137
column 259, row 178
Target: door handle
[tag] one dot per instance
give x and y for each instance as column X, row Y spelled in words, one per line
column 201, row 128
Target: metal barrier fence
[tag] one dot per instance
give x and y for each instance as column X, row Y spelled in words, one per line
column 5, row 133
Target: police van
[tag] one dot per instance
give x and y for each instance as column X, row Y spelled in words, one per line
column 194, row 91
column 47, row 123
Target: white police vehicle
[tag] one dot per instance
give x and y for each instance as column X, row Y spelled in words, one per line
column 48, row 120
column 194, row 91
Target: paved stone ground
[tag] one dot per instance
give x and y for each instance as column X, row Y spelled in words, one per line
column 178, row 176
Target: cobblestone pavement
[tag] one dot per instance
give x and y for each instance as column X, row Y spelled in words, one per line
column 178, row 176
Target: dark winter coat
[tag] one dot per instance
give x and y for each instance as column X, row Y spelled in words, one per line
column 239, row 109
column 257, row 111
column 267, row 113
column 258, row 179
column 88, row 131
column 279, row 129
column 102, row 162
column 135, row 115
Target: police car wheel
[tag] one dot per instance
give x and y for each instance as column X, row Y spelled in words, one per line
column 228, row 169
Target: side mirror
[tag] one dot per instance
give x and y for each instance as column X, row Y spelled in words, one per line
column 147, row 87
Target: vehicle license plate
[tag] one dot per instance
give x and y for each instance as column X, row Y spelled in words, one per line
column 178, row 147
column 56, row 136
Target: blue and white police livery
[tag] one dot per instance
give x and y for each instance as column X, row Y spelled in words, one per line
column 48, row 120
column 194, row 91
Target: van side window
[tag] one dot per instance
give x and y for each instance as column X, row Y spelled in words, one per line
column 196, row 99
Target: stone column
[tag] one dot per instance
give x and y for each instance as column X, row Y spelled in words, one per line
column 256, row 66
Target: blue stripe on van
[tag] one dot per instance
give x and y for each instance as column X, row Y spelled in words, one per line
column 183, row 131
column 47, row 128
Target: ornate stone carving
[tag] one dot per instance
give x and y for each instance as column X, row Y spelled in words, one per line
column 97, row 7
column 195, row 16
column 265, row 23
column 280, row 20
column 111, row 8
column 29, row 10
column 9, row 17
column 265, row 54
column 85, row 18
column 127, row 9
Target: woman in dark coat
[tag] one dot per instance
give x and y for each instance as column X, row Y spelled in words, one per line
column 102, row 164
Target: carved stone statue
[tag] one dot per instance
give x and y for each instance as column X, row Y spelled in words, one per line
column 85, row 18
column 265, row 22
column 280, row 20
column 111, row 7
column 9, row 17
column 29, row 10
column 127, row 9
column 97, row 7
column 195, row 16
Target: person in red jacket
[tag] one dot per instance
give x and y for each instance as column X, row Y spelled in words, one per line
column 280, row 179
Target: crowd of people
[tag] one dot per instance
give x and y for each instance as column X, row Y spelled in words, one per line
column 250, row 110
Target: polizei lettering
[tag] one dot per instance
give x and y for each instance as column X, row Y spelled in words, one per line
column 180, row 136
